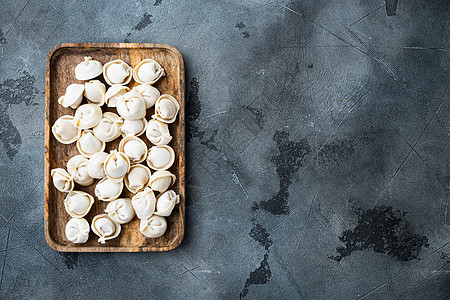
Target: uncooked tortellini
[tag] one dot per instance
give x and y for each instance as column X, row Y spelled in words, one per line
column 144, row 203
column 148, row 71
column 134, row 148
column 153, row 227
column 95, row 165
column 166, row 109
column 120, row 211
column 138, row 178
column 103, row 226
column 108, row 190
column 117, row 72
column 116, row 165
column 65, row 131
column 109, row 127
column 131, row 106
column 88, row 69
column 87, row 116
column 77, row 167
column 73, row 96
column 94, row 91
column 62, row 180
column 160, row 157
column 78, row 204
column 160, row 181
column 77, row 230
column 113, row 93
column 166, row 202
column 134, row 127
column 88, row 144
column 158, row 132
column 149, row 93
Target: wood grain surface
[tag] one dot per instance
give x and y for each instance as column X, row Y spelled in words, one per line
column 61, row 62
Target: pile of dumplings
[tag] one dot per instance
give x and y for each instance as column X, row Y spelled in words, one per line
column 91, row 129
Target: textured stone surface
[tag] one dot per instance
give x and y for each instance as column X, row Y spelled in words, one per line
column 318, row 138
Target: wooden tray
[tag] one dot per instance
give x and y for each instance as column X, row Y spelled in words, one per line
column 61, row 62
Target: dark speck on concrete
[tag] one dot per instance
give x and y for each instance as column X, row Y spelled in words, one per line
column 391, row 7
column 2, row 37
column 261, row 275
column 260, row 234
column 246, row 34
column 144, row 22
column 70, row 259
column 310, row 66
column 334, row 152
column 13, row 92
column 257, row 113
column 240, row 25
column 384, row 230
column 446, row 256
column 157, row 3
column 290, row 159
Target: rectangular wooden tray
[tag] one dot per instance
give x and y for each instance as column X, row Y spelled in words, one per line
column 61, row 62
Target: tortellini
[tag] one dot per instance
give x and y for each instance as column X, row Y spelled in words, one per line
column 134, row 127
column 113, row 93
column 158, row 132
column 116, row 165
column 144, row 203
column 160, row 181
column 78, row 204
column 160, row 157
column 103, row 226
column 134, row 148
column 65, row 131
column 108, row 190
column 95, row 165
column 109, row 127
column 131, row 106
column 77, row 167
column 88, row 69
column 62, row 180
column 87, row 116
column 166, row 109
column 73, row 96
column 148, row 71
column 149, row 93
column 138, row 178
column 117, row 72
column 120, row 211
column 166, row 202
column 94, row 91
column 88, row 144
column 77, row 230
column 153, row 227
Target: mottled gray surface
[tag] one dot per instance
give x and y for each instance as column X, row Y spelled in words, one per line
column 318, row 151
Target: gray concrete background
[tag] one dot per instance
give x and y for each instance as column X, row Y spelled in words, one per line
column 318, row 162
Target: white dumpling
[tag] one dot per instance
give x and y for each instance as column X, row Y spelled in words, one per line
column 103, row 226
column 77, row 167
column 62, row 180
column 166, row 202
column 144, row 203
column 131, row 106
column 166, row 109
column 77, row 230
column 73, row 96
column 108, row 190
column 153, row 227
column 134, row 127
column 88, row 69
column 95, row 165
column 138, row 178
column 94, row 91
column 160, row 181
column 87, row 116
column 160, row 157
column 134, row 148
column 149, row 93
column 117, row 72
column 120, row 211
column 78, row 204
column 113, row 93
column 148, row 71
column 116, row 165
column 158, row 132
column 88, row 144
column 109, row 127
column 65, row 131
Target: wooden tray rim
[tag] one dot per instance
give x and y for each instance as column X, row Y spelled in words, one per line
column 62, row 248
